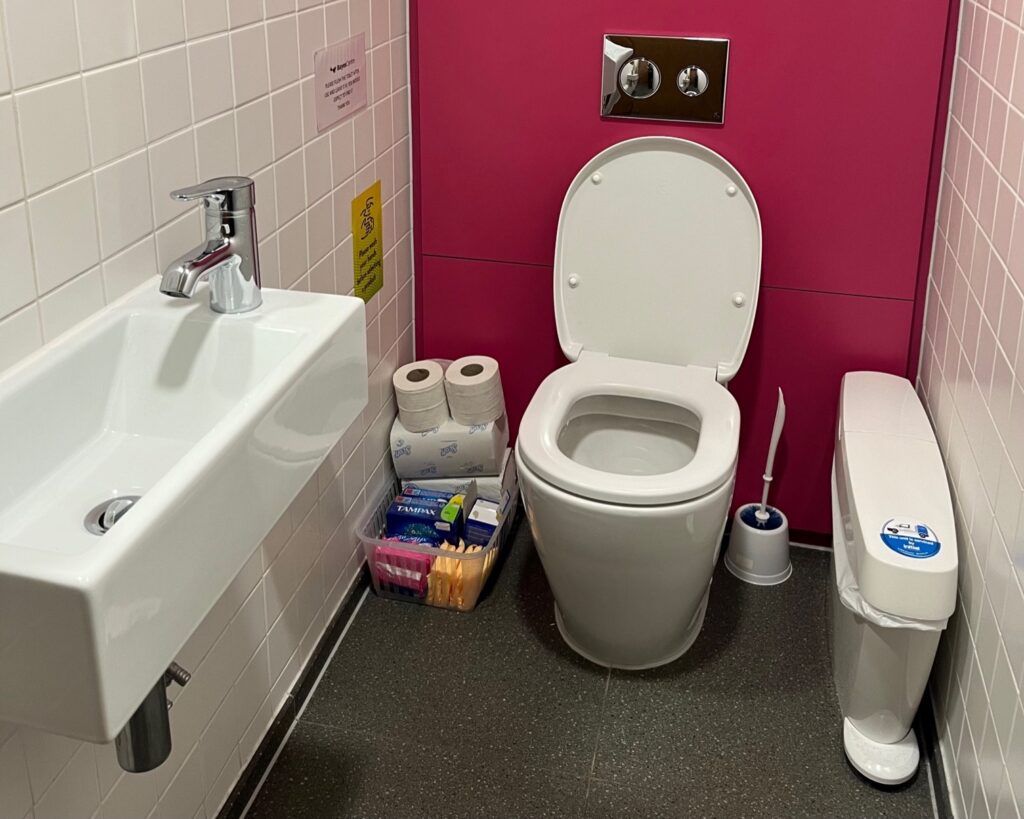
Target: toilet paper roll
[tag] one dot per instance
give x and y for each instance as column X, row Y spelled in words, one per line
column 424, row 420
column 473, row 387
column 419, row 386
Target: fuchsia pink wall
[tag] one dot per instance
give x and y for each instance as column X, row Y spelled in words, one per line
column 834, row 116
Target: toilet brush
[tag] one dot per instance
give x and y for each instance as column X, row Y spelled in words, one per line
column 759, row 543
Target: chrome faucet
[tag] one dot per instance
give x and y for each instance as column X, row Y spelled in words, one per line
column 229, row 257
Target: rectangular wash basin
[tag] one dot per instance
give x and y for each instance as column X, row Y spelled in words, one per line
column 215, row 422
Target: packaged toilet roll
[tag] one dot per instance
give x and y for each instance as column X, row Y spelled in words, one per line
column 420, row 395
column 496, row 488
column 473, row 387
column 450, row 450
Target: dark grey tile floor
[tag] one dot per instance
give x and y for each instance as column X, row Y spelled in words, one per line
column 427, row 713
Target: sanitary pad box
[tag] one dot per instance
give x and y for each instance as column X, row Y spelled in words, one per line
column 450, row 450
column 434, row 520
column 497, row 488
column 482, row 522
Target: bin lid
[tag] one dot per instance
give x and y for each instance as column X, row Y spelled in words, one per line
column 904, row 549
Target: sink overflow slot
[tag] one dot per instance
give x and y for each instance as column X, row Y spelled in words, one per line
column 102, row 517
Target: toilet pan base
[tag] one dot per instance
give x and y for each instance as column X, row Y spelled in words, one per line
column 685, row 642
column 631, row 583
column 887, row 763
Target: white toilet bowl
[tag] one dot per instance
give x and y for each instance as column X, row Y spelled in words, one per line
column 627, row 456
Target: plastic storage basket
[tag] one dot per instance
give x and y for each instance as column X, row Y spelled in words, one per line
column 426, row 574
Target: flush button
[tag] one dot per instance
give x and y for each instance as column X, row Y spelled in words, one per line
column 692, row 81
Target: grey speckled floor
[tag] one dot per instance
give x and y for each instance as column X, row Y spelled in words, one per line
column 426, row 713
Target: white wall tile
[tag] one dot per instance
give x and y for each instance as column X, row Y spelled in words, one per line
column 172, row 165
column 131, row 796
column 160, row 22
column 165, row 92
column 130, row 268
column 318, row 168
column 11, row 187
column 123, row 194
column 41, row 52
column 205, row 17
column 243, row 12
column 291, row 186
column 216, row 148
column 283, row 48
column 5, row 75
column 54, row 134
column 343, row 159
column 110, row 190
column 106, row 30
column 114, row 97
column 62, row 254
column 209, row 63
column 971, row 376
column 286, row 113
column 19, row 284
column 45, row 755
column 293, row 251
column 255, row 136
column 359, row 18
column 75, row 790
column 71, row 303
column 276, row 8
column 20, row 335
column 249, row 63
column 380, row 24
column 184, row 795
column 320, row 233
column 336, row 18
column 311, row 38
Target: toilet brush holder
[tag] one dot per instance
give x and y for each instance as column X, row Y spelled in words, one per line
column 758, row 550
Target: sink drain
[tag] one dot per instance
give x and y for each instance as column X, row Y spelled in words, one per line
column 103, row 517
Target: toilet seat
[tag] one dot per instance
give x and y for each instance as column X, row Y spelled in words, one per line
column 593, row 375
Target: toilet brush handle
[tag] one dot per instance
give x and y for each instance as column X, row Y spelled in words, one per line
column 780, row 420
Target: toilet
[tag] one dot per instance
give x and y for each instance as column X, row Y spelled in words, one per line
column 894, row 564
column 627, row 455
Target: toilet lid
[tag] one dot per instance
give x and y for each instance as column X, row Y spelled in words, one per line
column 658, row 257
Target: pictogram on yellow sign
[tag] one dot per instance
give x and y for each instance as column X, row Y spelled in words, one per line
column 367, row 243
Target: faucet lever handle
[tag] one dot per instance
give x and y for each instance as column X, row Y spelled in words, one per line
column 224, row 193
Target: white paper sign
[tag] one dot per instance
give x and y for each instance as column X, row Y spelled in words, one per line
column 339, row 81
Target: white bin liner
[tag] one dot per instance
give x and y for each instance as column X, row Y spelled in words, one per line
column 849, row 591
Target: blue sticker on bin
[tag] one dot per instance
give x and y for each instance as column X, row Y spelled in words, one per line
column 910, row 538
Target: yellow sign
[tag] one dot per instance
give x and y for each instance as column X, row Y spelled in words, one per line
column 367, row 243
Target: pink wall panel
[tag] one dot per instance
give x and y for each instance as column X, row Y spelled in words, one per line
column 496, row 309
column 830, row 335
column 830, row 116
column 824, row 336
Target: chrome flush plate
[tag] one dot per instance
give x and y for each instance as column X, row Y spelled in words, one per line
column 668, row 78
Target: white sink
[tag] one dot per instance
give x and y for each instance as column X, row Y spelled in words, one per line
column 217, row 421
